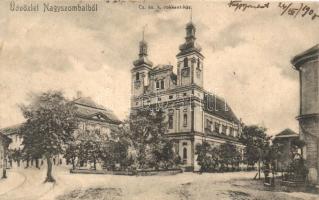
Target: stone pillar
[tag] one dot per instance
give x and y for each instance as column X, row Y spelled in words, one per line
column 307, row 63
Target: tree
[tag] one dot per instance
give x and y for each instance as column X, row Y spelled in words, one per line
column 71, row 153
column 256, row 141
column 229, row 154
column 49, row 127
column 147, row 129
column 202, row 150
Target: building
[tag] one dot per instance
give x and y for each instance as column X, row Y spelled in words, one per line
column 193, row 114
column 4, row 143
column 12, row 132
column 307, row 63
column 287, row 139
column 92, row 118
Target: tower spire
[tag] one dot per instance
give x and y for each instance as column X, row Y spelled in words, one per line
column 143, row 44
column 142, row 55
column 143, row 33
column 190, row 39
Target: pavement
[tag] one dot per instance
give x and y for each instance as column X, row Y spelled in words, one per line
column 27, row 184
column 14, row 181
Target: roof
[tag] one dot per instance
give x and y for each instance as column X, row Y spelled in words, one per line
column 220, row 135
column 142, row 61
column 11, row 129
column 306, row 56
column 5, row 138
column 87, row 108
column 287, row 133
column 216, row 106
column 163, row 67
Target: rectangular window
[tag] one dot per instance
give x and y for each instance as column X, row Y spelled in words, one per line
column 170, row 121
column 162, row 84
column 207, row 123
column 217, row 125
column 231, row 132
column 185, row 120
column 157, row 84
column 170, row 97
column 224, row 129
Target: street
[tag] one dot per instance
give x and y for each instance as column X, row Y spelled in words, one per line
column 28, row 185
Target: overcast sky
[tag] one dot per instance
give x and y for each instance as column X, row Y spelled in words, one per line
column 247, row 55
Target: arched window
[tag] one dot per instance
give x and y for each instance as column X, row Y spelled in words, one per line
column 185, row 62
column 184, row 154
column 137, row 76
column 198, row 63
column 185, row 120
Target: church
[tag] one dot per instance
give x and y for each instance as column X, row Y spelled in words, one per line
column 193, row 114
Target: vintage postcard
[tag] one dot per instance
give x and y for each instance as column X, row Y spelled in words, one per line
column 159, row 100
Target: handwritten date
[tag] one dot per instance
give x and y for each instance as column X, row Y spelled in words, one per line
column 297, row 9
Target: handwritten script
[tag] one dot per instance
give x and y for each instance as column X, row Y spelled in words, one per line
column 286, row 8
column 239, row 5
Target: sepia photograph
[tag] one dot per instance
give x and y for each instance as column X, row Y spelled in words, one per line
column 159, row 100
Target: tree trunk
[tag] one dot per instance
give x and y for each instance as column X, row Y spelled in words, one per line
column 27, row 163
column 49, row 177
column 73, row 164
column 94, row 164
column 4, row 173
column 259, row 169
column 37, row 163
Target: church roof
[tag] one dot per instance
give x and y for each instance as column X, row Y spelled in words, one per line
column 216, row 106
column 143, row 60
column 189, row 47
column 220, row 135
column 162, row 67
column 86, row 107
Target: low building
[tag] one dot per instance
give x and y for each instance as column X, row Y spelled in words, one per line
column 91, row 117
column 4, row 143
column 286, row 139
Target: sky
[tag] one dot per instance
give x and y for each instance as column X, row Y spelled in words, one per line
column 247, row 54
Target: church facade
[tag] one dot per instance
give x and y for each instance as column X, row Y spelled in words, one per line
column 193, row 114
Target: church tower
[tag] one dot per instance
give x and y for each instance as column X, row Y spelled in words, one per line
column 140, row 71
column 190, row 60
